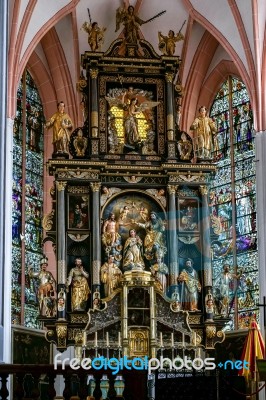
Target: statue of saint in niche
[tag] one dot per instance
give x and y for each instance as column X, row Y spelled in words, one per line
column 133, row 252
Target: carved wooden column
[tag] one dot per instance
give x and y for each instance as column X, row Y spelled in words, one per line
column 173, row 245
column 171, row 145
column 206, row 249
column 96, row 236
column 61, row 242
column 206, row 237
column 94, row 113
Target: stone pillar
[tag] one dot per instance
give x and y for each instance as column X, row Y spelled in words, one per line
column 6, row 133
column 260, row 146
column 172, row 238
column 61, row 243
column 6, row 161
column 171, row 145
column 96, row 236
column 94, row 113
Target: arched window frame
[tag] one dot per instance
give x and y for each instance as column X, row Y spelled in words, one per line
column 233, row 204
column 27, row 202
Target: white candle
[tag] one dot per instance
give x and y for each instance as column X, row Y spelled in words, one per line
column 107, row 339
column 172, row 339
column 119, row 339
column 183, row 339
column 96, row 339
column 194, row 339
column 198, row 352
column 161, row 339
column 84, row 338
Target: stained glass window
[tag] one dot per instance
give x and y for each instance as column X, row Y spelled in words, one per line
column 233, row 206
column 143, row 125
column 27, row 201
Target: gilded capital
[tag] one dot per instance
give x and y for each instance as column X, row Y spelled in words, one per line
column 95, row 186
column 61, row 185
column 169, row 77
column 94, row 73
column 171, row 189
column 203, row 190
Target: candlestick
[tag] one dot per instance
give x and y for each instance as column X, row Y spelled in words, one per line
column 119, row 339
column 107, row 339
column 84, row 338
column 96, row 339
column 172, row 339
column 183, row 340
column 161, row 339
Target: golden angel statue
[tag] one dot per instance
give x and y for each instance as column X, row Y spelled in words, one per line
column 95, row 35
column 131, row 22
column 126, row 15
column 167, row 43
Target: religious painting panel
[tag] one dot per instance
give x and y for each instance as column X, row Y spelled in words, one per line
column 78, row 212
column 29, row 346
column 188, row 209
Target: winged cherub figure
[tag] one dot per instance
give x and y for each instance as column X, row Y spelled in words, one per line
column 167, row 43
column 95, row 35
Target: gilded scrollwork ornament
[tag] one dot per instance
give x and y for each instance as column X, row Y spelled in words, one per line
column 210, row 331
column 82, row 83
column 61, row 331
column 47, row 221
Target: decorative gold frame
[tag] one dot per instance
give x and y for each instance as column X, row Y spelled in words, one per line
column 138, row 342
column 29, row 346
